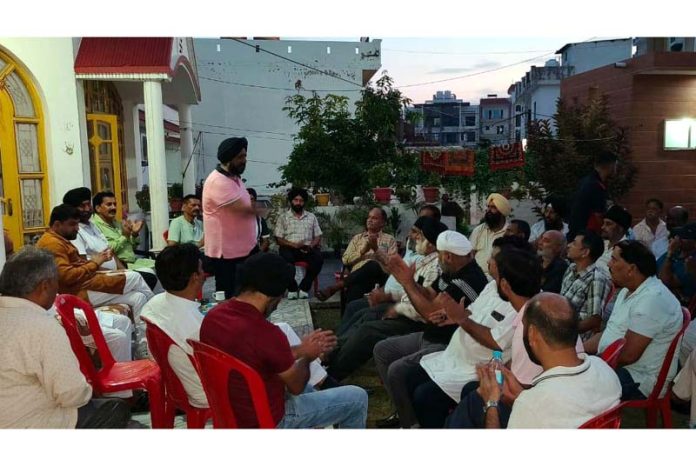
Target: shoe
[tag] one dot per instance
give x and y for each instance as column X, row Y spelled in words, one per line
column 302, row 294
column 292, row 295
column 391, row 422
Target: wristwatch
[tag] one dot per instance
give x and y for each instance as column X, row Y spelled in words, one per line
column 490, row 404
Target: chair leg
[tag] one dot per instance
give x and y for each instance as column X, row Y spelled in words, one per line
column 651, row 416
column 155, row 389
column 196, row 419
column 666, row 411
column 169, row 415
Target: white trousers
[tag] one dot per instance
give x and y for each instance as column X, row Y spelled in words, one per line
column 118, row 331
column 136, row 294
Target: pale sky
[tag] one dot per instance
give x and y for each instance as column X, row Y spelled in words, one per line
column 425, row 59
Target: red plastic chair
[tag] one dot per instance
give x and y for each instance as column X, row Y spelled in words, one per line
column 112, row 376
column 305, row 266
column 214, row 368
column 611, row 353
column 654, row 403
column 175, row 394
column 607, row 420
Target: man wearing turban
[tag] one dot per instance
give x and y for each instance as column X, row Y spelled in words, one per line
column 493, row 227
column 229, row 218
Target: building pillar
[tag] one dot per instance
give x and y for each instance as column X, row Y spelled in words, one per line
column 188, row 158
column 154, row 129
column 133, row 152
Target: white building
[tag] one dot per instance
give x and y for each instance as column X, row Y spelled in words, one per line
column 246, row 85
column 585, row 56
column 69, row 118
column 447, row 121
column 534, row 97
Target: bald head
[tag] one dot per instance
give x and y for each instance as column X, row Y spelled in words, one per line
column 554, row 318
column 551, row 244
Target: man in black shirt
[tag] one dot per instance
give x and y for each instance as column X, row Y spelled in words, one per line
column 590, row 200
column 551, row 249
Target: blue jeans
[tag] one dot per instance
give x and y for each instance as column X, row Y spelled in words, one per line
column 344, row 406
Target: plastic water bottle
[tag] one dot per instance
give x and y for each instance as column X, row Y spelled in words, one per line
column 498, row 365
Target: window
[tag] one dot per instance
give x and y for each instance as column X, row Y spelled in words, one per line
column 680, row 134
column 436, row 122
column 518, row 121
column 289, row 48
column 518, row 108
column 487, row 128
column 469, row 121
column 328, row 50
column 500, row 129
column 470, row 136
column 497, row 113
column 357, row 51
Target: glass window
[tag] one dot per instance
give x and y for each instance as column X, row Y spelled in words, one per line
column 27, row 148
column 32, row 203
column 20, row 96
column 680, row 134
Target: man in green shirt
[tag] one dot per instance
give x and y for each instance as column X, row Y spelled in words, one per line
column 121, row 236
column 187, row 228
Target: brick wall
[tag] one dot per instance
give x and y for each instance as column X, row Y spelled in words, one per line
column 641, row 103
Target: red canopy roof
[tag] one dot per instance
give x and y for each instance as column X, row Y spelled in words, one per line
column 112, row 55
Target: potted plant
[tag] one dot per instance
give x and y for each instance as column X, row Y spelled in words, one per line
column 142, row 197
column 380, row 176
column 176, row 196
column 322, row 198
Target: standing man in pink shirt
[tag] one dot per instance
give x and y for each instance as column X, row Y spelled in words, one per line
column 228, row 216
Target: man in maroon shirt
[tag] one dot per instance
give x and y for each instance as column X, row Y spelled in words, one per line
column 240, row 328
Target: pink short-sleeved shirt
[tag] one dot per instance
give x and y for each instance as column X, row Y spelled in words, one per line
column 227, row 234
column 521, row 366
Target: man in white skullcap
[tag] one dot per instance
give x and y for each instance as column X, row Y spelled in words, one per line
column 462, row 280
column 493, row 227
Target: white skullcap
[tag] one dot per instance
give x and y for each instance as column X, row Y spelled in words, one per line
column 454, row 242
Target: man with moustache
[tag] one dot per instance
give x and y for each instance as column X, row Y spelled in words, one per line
column 298, row 236
column 229, row 217
column 551, row 248
column 572, row 389
column 82, row 278
column 677, row 217
column 493, row 227
column 122, row 237
column 187, row 228
column 553, row 212
column 615, row 225
column 91, row 241
column 240, row 328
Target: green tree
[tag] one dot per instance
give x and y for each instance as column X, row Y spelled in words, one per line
column 560, row 160
column 334, row 149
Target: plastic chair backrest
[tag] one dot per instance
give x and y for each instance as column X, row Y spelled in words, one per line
column 214, row 368
column 66, row 305
column 667, row 363
column 159, row 343
column 607, row 420
column 611, row 353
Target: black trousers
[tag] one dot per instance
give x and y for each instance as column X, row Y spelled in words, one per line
column 103, row 413
column 313, row 258
column 469, row 411
column 359, row 312
column 150, row 279
column 430, row 403
column 364, row 280
column 228, row 273
column 355, row 347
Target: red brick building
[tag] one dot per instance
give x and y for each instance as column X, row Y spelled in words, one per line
column 645, row 94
